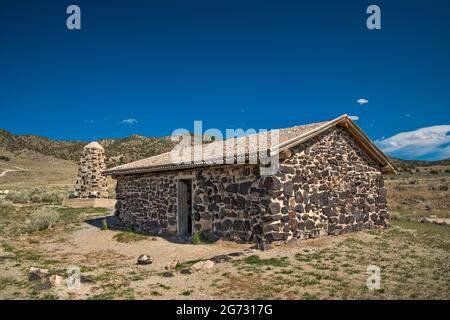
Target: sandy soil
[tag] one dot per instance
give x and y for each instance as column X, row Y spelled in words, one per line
column 413, row 258
column 97, row 251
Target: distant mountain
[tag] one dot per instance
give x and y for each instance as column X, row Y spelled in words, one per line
column 412, row 164
column 118, row 151
column 123, row 150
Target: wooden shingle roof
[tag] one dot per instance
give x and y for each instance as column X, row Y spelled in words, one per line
column 245, row 146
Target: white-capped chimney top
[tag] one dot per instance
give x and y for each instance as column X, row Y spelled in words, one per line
column 93, row 145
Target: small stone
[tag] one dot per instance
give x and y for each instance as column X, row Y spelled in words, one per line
column 203, row 265
column 87, row 279
column 309, row 224
column 298, row 197
column 275, row 207
column 167, row 275
column 55, row 280
column 244, row 187
column 287, row 169
column 172, row 265
column 287, row 188
column 44, row 286
column 37, row 274
column 144, row 259
column 186, row 271
column 221, row 258
column 292, row 202
column 235, row 254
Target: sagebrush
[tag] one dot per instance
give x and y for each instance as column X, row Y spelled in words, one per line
column 41, row 219
column 36, row 195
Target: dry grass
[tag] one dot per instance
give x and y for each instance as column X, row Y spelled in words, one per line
column 413, row 257
column 420, row 194
column 41, row 219
column 40, row 171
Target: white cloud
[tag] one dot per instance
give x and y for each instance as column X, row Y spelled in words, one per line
column 129, row 121
column 354, row 118
column 407, row 115
column 362, row 101
column 429, row 143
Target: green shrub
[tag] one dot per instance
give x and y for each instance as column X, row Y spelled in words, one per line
column 435, row 171
column 129, row 236
column 197, row 238
column 4, row 158
column 36, row 195
column 4, row 204
column 257, row 261
column 17, row 196
column 42, row 218
column 204, row 236
column 105, row 225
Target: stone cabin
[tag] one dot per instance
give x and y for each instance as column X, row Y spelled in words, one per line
column 329, row 181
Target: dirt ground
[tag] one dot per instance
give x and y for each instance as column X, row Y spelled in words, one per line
column 414, row 260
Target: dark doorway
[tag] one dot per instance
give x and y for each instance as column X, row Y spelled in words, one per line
column 184, row 224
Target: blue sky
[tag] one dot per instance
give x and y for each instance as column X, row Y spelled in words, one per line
column 160, row 65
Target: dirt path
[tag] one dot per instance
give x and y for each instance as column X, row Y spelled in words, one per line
column 5, row 171
column 437, row 220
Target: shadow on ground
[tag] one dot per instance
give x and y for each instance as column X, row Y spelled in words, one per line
column 111, row 221
column 116, row 225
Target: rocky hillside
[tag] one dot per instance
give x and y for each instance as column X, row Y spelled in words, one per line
column 124, row 150
column 412, row 165
column 118, row 151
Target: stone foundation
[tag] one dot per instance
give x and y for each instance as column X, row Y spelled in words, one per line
column 89, row 203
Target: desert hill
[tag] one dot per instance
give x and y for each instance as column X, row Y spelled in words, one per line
column 124, row 150
column 118, row 151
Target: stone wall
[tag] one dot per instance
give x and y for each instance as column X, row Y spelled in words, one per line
column 230, row 201
column 147, row 202
column 328, row 186
column 90, row 181
column 226, row 200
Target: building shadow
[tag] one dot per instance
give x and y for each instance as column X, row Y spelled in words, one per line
column 111, row 222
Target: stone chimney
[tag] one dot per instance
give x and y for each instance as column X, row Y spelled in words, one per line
column 90, row 181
